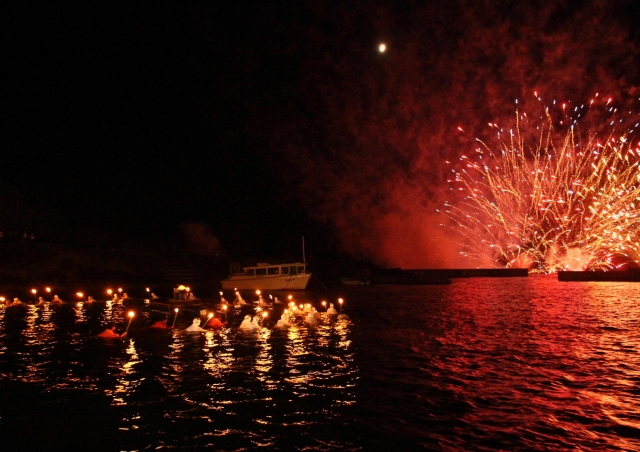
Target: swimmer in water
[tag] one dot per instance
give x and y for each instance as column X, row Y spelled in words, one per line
column 110, row 333
column 160, row 324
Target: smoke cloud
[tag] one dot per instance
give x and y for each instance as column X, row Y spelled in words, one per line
column 368, row 134
column 199, row 238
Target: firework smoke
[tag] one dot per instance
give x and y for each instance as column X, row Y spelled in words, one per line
column 372, row 131
column 199, row 238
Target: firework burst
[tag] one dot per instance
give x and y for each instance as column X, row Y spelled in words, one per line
column 550, row 200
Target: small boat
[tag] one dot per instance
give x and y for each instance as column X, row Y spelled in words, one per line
column 264, row 276
column 352, row 282
column 182, row 298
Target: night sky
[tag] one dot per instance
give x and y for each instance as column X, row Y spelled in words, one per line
column 253, row 125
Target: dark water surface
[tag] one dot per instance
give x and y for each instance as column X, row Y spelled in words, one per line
column 482, row 364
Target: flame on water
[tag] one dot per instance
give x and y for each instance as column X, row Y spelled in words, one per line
column 551, row 200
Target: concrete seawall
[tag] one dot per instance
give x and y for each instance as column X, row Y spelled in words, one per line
column 621, row 276
column 442, row 276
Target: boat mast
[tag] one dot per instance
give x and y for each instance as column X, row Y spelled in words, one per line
column 304, row 261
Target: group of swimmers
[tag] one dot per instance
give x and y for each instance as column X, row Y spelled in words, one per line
column 17, row 302
column 56, row 300
column 110, row 331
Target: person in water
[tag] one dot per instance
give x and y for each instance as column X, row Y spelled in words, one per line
column 213, row 322
column 56, row 299
column 162, row 324
column 110, row 332
column 195, row 326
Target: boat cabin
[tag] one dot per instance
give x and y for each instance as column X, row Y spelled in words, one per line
column 262, row 270
column 291, row 276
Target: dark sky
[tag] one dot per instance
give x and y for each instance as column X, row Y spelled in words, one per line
column 264, row 123
column 144, row 118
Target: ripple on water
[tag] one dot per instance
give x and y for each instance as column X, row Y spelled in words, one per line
column 504, row 364
column 481, row 364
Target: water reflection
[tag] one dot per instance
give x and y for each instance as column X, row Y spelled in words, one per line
column 526, row 362
column 122, row 368
column 264, row 360
column 221, row 388
column 219, row 359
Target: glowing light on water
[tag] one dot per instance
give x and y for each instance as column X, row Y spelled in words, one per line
column 174, row 317
column 130, row 314
column 209, row 316
column 550, row 200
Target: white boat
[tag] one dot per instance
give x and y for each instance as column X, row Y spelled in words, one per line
column 264, row 276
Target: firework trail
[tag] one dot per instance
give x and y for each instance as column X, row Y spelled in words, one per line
column 550, row 199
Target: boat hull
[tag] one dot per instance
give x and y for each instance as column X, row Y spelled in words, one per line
column 278, row 282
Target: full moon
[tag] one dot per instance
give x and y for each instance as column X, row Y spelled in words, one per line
column 382, row 48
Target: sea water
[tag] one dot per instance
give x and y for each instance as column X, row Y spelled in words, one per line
column 481, row 364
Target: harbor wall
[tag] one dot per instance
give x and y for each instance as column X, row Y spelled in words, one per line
column 632, row 275
column 442, row 276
